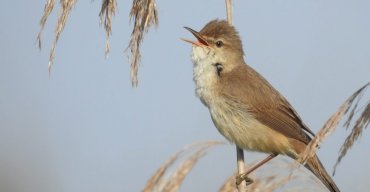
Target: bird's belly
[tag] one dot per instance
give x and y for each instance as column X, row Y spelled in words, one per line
column 245, row 131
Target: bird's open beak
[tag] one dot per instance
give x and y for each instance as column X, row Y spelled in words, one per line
column 201, row 40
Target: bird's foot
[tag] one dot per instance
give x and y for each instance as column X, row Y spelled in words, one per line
column 243, row 177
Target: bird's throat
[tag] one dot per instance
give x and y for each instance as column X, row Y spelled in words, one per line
column 204, row 73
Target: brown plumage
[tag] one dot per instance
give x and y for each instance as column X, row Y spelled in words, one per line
column 244, row 107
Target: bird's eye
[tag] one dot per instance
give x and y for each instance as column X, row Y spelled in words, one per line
column 219, row 43
column 219, row 68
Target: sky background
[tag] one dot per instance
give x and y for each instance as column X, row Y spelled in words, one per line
column 85, row 129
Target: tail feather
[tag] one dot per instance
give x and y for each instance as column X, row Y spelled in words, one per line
column 315, row 166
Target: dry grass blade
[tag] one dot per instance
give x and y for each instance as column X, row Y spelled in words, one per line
column 47, row 10
column 331, row 124
column 361, row 123
column 66, row 8
column 155, row 179
column 144, row 14
column 156, row 182
column 174, row 182
column 108, row 9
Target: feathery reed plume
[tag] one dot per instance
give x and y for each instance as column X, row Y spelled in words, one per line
column 144, row 14
column 47, row 10
column 108, row 9
column 332, row 123
column 174, row 182
column 155, row 180
column 158, row 182
column 67, row 5
column 361, row 123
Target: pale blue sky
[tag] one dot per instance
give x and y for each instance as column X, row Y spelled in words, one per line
column 85, row 129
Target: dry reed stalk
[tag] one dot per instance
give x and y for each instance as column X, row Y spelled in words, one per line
column 239, row 151
column 108, row 9
column 48, row 8
column 158, row 182
column 229, row 12
column 334, row 120
column 241, row 167
column 144, row 15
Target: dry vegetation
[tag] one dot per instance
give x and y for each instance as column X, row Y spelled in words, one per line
column 160, row 181
column 351, row 104
column 144, row 15
column 66, row 7
column 274, row 175
column 108, row 9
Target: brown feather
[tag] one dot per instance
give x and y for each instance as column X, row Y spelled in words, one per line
column 266, row 104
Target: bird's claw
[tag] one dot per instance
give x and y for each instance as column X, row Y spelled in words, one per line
column 243, row 177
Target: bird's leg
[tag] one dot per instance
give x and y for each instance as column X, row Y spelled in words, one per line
column 244, row 176
column 267, row 159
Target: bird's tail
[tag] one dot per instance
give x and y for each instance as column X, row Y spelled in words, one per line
column 315, row 166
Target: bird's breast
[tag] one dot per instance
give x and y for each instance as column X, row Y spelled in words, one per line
column 239, row 126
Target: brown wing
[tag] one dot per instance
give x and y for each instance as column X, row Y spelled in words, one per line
column 267, row 104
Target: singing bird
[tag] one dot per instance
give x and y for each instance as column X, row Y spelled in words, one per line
column 244, row 106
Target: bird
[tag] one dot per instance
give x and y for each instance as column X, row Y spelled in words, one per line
column 244, row 107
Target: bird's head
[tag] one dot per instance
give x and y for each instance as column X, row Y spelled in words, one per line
column 218, row 44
